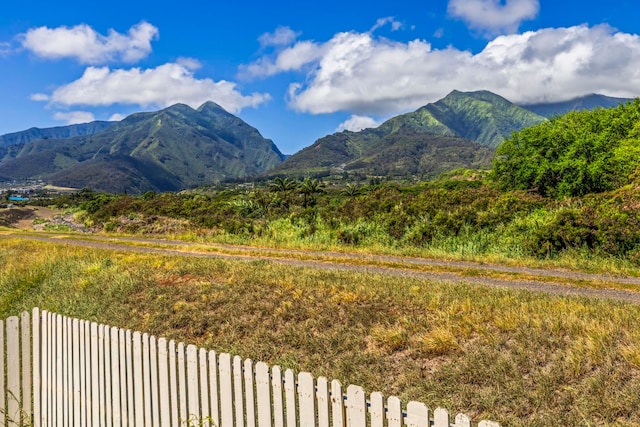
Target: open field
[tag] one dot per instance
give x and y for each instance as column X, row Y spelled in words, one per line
column 518, row 357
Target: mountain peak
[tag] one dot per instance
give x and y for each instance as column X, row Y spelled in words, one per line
column 212, row 107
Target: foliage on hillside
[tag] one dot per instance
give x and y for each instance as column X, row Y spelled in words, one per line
column 573, row 155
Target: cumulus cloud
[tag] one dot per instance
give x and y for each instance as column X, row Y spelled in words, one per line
column 356, row 123
column 288, row 59
column 364, row 75
column 282, row 36
column 162, row 86
column 492, row 16
column 84, row 44
column 75, row 117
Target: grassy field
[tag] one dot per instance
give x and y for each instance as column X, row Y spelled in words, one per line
column 520, row 358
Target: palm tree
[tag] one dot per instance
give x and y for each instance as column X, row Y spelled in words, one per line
column 309, row 188
column 283, row 184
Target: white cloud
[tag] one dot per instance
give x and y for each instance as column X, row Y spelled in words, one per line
column 87, row 46
column 356, row 123
column 39, row 97
column 492, row 16
column 282, row 36
column 381, row 22
column 364, row 75
column 116, row 117
column 75, row 117
column 5, row 48
column 290, row 59
column 162, row 86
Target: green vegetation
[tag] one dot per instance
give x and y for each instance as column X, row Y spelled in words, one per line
column 573, row 155
column 491, row 353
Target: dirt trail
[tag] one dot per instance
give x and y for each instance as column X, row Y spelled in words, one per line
column 401, row 266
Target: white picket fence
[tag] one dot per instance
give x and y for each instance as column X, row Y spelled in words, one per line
column 61, row 371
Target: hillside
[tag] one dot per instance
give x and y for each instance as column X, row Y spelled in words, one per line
column 459, row 131
column 58, row 132
column 174, row 148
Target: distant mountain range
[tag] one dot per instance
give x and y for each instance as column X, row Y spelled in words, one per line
column 167, row 150
column 588, row 102
column 179, row 147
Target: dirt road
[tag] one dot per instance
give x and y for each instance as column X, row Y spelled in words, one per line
column 556, row 282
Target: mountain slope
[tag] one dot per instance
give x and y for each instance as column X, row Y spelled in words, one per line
column 457, row 131
column 177, row 147
column 59, row 132
column 588, row 102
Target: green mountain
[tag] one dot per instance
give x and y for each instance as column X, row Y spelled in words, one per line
column 588, row 102
column 57, row 132
column 167, row 150
column 458, row 131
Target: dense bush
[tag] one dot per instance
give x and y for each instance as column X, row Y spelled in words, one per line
column 572, row 155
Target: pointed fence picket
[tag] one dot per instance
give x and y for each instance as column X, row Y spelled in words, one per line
column 60, row 371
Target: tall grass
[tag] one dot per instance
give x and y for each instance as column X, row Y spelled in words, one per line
column 520, row 358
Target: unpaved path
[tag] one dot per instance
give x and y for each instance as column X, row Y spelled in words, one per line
column 555, row 281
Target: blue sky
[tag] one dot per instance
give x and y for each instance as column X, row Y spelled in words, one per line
column 300, row 70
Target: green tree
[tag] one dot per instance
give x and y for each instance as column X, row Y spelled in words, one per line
column 572, row 155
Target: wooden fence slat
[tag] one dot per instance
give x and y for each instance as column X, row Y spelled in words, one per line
column 68, row 370
column 82, row 351
column 146, row 381
column 128, row 337
column 237, row 391
column 26, row 363
column 377, row 410
column 356, row 407
column 214, row 399
column 122, row 354
column 36, row 367
column 205, row 414
column 114, row 374
column 462, row 420
column 13, row 371
column 173, row 384
column 182, row 382
column 163, row 384
column 278, row 403
column 192, row 383
column 226, row 390
column 306, row 400
column 137, row 379
column 263, row 395
column 3, row 385
column 337, row 405
column 290, row 398
column 95, row 376
column 249, row 394
column 394, row 412
column 153, row 372
column 417, row 415
column 441, row 418
column 74, row 341
column 108, row 408
column 322, row 400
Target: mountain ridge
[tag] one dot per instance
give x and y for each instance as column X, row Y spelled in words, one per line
column 187, row 147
